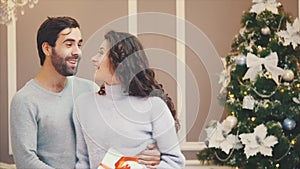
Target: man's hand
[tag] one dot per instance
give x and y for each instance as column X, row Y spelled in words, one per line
column 150, row 157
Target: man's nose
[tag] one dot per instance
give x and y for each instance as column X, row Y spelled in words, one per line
column 76, row 51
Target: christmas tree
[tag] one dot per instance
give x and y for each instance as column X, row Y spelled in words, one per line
column 261, row 94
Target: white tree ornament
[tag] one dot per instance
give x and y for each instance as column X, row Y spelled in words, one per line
column 292, row 34
column 258, row 142
column 255, row 63
column 218, row 137
column 224, row 77
column 261, row 5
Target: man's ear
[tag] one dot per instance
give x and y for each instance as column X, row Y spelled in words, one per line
column 47, row 49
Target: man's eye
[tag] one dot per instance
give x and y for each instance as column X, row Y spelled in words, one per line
column 69, row 44
column 79, row 45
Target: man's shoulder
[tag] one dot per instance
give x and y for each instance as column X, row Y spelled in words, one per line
column 25, row 94
column 26, row 90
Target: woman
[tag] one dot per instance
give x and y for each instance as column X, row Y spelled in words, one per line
column 129, row 112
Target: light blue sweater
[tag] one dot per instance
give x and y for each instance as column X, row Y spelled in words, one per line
column 42, row 130
column 125, row 123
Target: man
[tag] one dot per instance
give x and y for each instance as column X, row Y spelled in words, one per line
column 42, row 130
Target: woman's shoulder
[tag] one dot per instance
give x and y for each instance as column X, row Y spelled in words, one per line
column 158, row 105
column 83, row 84
column 157, row 100
column 85, row 97
column 90, row 98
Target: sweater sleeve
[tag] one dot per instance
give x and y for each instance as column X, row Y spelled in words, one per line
column 82, row 157
column 164, row 133
column 23, row 124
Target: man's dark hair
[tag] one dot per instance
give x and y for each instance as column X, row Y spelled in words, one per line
column 49, row 30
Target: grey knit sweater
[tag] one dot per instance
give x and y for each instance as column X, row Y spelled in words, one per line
column 42, row 130
column 125, row 123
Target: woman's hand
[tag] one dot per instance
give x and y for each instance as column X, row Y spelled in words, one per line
column 150, row 157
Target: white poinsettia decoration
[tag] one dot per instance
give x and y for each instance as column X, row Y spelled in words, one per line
column 218, row 137
column 224, row 77
column 249, row 47
column 258, row 142
column 261, row 5
column 242, row 31
column 292, row 34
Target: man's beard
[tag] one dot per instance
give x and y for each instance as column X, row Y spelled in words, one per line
column 61, row 66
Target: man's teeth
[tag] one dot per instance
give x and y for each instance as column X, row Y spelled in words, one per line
column 73, row 61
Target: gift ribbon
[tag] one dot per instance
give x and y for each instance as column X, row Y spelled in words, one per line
column 255, row 63
column 104, row 166
column 120, row 163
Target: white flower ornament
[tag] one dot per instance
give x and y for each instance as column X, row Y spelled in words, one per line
column 258, row 141
column 217, row 137
column 292, row 34
column 224, row 77
column 249, row 47
column 242, row 31
column 261, row 5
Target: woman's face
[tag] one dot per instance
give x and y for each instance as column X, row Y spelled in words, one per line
column 102, row 64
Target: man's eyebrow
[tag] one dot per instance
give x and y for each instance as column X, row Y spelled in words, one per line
column 72, row 40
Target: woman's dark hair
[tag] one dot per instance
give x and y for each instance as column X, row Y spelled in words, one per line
column 130, row 64
column 49, row 30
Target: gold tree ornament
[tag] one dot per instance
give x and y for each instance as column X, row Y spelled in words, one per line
column 265, row 31
column 288, row 75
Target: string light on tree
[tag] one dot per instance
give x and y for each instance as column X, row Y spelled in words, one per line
column 298, row 85
column 293, row 142
column 259, row 48
column 253, row 119
column 268, row 75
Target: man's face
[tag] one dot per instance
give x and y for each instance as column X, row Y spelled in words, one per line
column 67, row 51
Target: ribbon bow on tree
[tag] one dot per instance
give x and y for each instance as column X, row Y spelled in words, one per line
column 255, row 63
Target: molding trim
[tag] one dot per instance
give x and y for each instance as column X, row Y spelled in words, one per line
column 180, row 69
column 298, row 8
column 132, row 19
column 11, row 68
column 192, row 146
column 195, row 164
